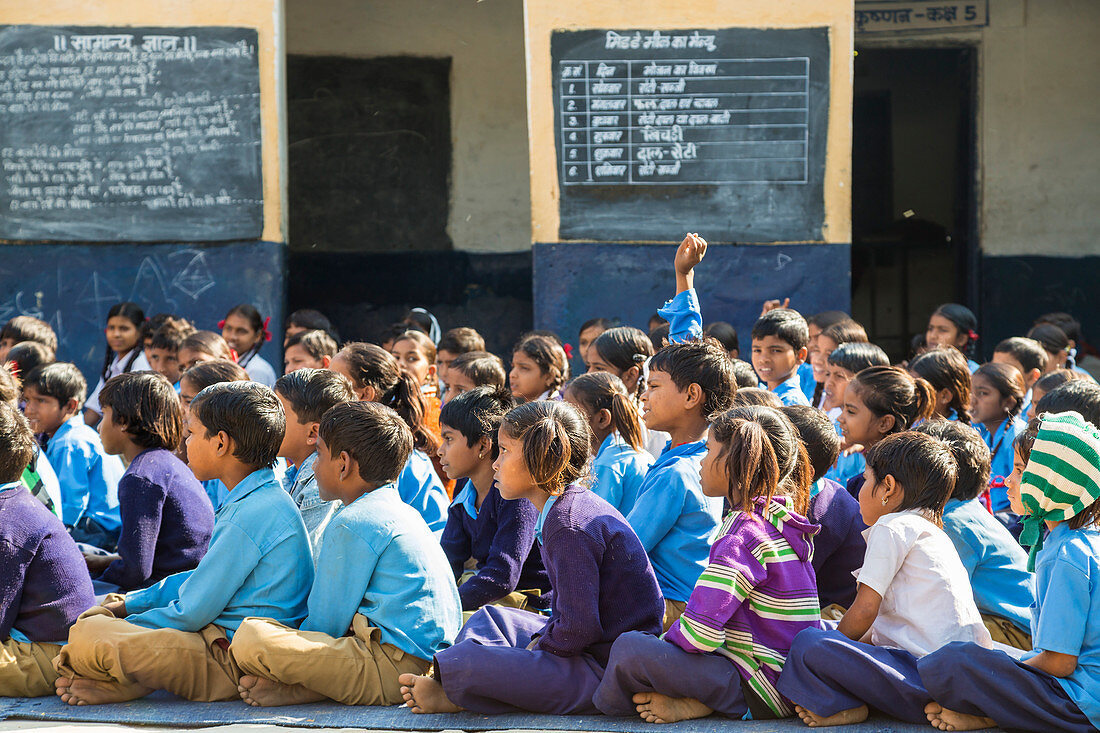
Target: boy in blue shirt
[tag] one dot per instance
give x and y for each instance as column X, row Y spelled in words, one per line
column 780, row 342
column 306, row 395
column 385, row 600
column 175, row 635
column 88, row 476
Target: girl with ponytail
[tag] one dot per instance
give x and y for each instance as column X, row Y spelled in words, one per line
column 946, row 370
column 756, row 594
column 505, row 659
column 619, row 459
column 376, row 377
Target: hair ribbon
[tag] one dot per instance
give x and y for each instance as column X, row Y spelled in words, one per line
column 267, row 334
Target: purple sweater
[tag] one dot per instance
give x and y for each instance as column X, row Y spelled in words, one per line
column 501, row 539
column 603, row 583
column 167, row 521
column 44, row 582
column 839, row 546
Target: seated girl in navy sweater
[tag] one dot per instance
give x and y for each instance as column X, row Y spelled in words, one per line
column 505, row 659
column 167, row 519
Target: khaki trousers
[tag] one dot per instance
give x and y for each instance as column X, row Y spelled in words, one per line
column 354, row 670
column 1004, row 631
column 521, row 599
column 196, row 666
column 26, row 670
column 673, row 611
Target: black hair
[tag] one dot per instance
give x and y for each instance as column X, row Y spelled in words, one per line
column 1007, row 380
column 153, row 324
column 548, row 354
column 390, row 333
column 477, row 414
column 744, row 374
column 17, row 446
column 785, row 324
column 555, row 441
column 923, row 465
column 945, row 368
column 965, row 322
column 317, row 343
column 207, row 342
column 249, row 312
column 818, row 435
column 723, row 333
column 1055, row 379
column 420, row 319
column 136, row 316
column 701, row 362
column 624, row 347
column 375, row 436
column 481, row 368
column 1029, row 352
column 311, row 320
column 1070, row 325
column 145, row 405
column 601, row 323
column 1080, row 395
column 658, row 337
column 249, row 413
column 971, row 456
column 29, row 328
column 1025, row 439
column 845, row 332
column 171, row 334
column 29, row 354
column 312, row 392
column 824, row 319
column 1052, row 338
column 215, row 371
column 60, row 380
column 894, row 391
column 604, row 391
column 461, row 340
column 856, row 356
column 372, row 366
column 764, row 455
column 755, row 396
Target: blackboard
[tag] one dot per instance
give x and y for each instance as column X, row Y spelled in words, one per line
column 72, row 287
column 721, row 131
column 129, row 134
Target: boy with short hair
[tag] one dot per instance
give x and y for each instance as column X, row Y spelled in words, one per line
column 43, row 583
column 174, row 635
column 163, row 352
column 454, row 343
column 688, row 383
column 88, row 476
column 26, row 328
column 382, row 575
column 474, row 369
column 306, row 395
column 780, row 342
column 1027, row 355
column 308, row 349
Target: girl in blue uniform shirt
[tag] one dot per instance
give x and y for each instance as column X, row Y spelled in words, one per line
column 953, row 325
column 844, row 363
column 995, row 407
column 946, row 370
column 619, row 462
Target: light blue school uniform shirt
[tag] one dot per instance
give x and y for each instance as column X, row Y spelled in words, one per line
column 674, row 520
column 1000, row 466
column 806, row 381
column 301, row 483
column 972, row 365
column 258, row 564
column 618, row 472
column 419, row 487
column 1066, row 613
column 790, row 391
column 379, row 559
column 996, row 563
column 217, row 492
column 685, row 320
column 87, row 475
column 847, row 466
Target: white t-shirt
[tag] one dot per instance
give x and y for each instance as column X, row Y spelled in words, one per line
column 927, row 600
column 118, row 364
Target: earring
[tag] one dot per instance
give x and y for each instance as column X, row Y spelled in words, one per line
column 480, row 456
column 884, row 502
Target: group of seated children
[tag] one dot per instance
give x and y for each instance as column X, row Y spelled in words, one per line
column 673, row 534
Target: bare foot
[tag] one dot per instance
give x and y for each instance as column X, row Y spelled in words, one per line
column 425, row 695
column 261, row 692
column 657, row 708
column 80, row 691
column 844, row 717
column 944, row 719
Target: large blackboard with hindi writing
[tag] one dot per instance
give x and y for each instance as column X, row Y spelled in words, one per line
column 129, row 134
column 660, row 132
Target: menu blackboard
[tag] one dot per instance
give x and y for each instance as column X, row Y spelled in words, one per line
column 721, row 131
column 129, row 134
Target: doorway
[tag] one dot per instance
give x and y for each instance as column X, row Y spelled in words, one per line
column 914, row 229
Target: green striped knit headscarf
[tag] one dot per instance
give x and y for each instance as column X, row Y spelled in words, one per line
column 1062, row 477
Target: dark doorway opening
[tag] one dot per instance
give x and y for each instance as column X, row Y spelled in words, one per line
column 913, row 189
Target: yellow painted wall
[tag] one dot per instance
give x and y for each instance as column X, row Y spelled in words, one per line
column 263, row 15
column 545, row 16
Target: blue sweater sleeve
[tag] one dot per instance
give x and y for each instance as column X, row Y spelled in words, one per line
column 141, row 504
column 455, row 541
column 14, row 562
column 685, row 320
column 576, row 624
column 512, row 542
column 338, row 591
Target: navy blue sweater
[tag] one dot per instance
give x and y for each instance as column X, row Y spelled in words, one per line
column 839, row 546
column 167, row 521
column 44, row 583
column 500, row 539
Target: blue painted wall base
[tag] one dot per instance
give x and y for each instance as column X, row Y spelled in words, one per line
column 578, row 281
column 73, row 286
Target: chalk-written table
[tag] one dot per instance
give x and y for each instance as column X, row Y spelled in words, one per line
column 684, row 121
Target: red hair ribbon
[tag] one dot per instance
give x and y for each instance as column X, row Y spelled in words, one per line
column 13, row 367
column 972, row 335
column 221, row 324
column 267, row 334
column 233, row 354
column 568, row 348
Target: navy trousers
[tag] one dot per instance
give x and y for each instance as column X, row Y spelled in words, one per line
column 827, row 672
column 977, row 681
column 490, row 670
column 641, row 662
